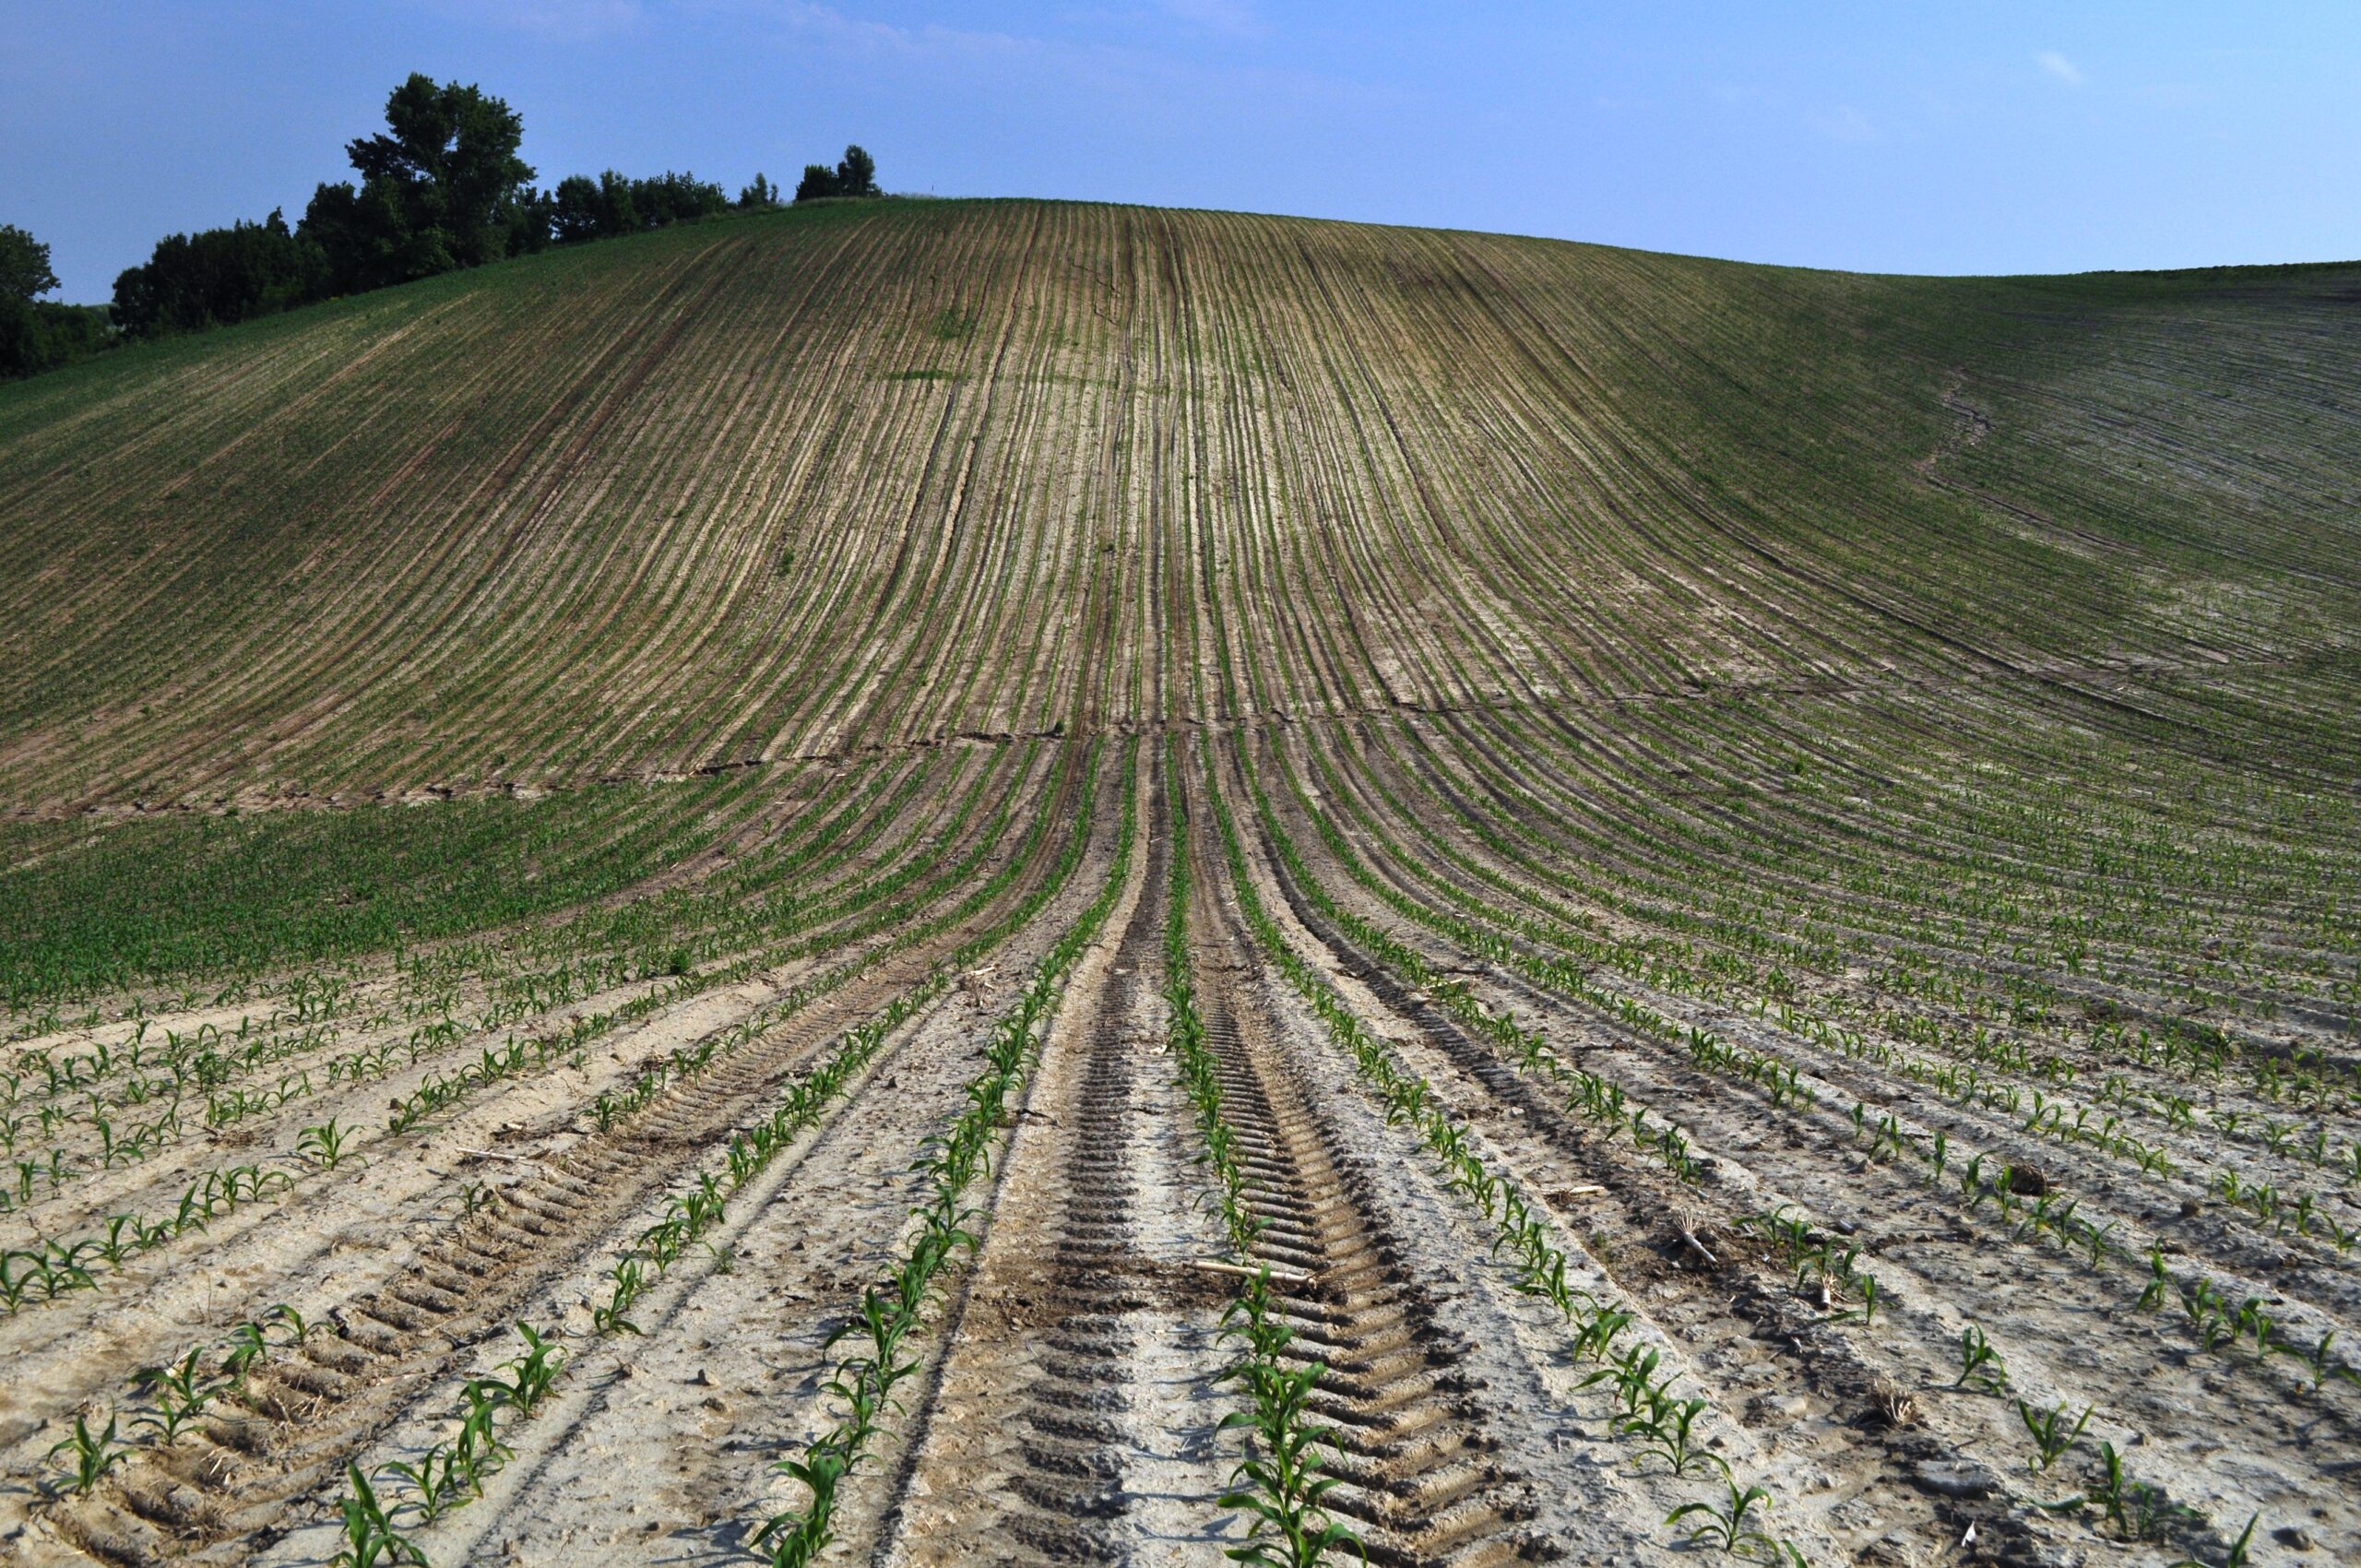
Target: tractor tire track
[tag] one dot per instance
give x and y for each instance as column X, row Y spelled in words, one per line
column 1424, row 1479
column 1064, row 1428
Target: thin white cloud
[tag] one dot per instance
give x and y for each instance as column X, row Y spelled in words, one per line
column 2059, row 67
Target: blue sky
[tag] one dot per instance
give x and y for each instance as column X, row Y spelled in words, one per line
column 1967, row 137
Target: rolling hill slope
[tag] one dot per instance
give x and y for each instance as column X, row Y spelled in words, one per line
column 1009, row 766
column 815, row 483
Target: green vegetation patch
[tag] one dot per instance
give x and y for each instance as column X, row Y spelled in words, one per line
column 148, row 901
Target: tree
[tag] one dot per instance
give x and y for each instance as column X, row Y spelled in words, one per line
column 218, row 276
column 530, row 217
column 677, row 198
column 441, row 187
column 24, row 266
column 585, row 209
column 37, row 334
column 760, row 194
column 856, row 174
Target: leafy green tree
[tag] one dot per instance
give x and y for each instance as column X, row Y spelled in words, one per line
column 531, row 219
column 583, row 209
column 440, row 187
column 36, row 334
column 856, row 174
column 218, row 276
column 24, row 266
column 677, row 198
column 760, row 194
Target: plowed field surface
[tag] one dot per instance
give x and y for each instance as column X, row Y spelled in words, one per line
column 940, row 882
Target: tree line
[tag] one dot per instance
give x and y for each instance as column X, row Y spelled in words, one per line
column 441, row 187
column 37, row 334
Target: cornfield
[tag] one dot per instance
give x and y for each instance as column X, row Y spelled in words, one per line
column 941, row 882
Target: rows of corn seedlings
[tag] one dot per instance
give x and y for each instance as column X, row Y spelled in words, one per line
column 891, row 1312
column 2215, row 1322
column 664, row 975
column 1783, row 1081
column 448, row 1474
column 61, row 1264
column 1278, row 1482
column 831, row 392
column 1659, row 1421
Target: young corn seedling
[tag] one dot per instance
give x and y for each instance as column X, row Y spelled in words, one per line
column 2050, row 1433
column 115, row 1246
column 2317, row 1360
column 2254, row 1320
column 1280, row 1474
column 1867, row 1286
column 2209, row 1316
column 434, row 1482
column 1730, row 1526
column 1979, row 1365
column 327, row 1145
column 16, row 1278
column 248, row 1346
column 2159, row 1279
column 180, row 1391
column 1667, row 1432
column 531, row 1374
column 91, row 1454
column 369, row 1537
column 803, row 1536
column 298, row 1330
column 478, row 1453
column 1595, row 1338
column 1631, row 1373
column 2138, row 1513
column 630, row 1279
column 889, row 1321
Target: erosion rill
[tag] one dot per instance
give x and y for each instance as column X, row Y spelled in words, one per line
column 950, row 882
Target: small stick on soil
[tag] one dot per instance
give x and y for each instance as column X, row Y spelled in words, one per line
column 1278, row 1276
column 495, row 1154
column 1690, row 1239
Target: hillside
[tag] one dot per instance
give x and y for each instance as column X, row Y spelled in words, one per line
column 1736, row 829
column 814, row 484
